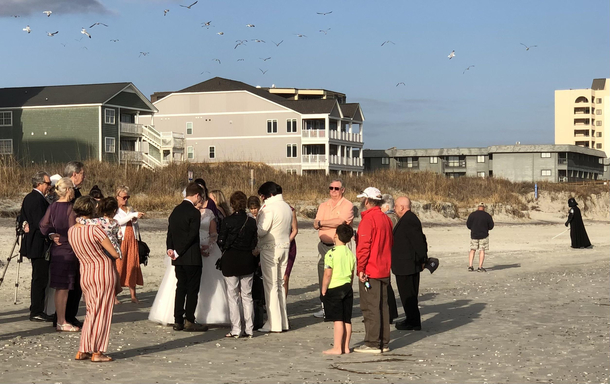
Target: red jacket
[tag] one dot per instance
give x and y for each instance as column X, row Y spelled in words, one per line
column 374, row 244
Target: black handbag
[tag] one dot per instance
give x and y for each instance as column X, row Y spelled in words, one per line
column 143, row 250
column 219, row 261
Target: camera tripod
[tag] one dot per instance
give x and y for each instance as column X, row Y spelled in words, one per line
column 8, row 262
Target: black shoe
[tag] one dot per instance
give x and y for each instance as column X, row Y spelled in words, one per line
column 470, row 269
column 481, row 269
column 403, row 326
column 54, row 316
column 194, row 327
column 43, row 317
column 178, row 327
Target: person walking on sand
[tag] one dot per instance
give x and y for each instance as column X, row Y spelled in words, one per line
column 578, row 234
column 331, row 213
column 480, row 223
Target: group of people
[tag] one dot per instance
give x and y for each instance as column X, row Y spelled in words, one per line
column 79, row 245
column 227, row 259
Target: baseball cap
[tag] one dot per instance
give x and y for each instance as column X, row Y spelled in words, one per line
column 481, row 204
column 431, row 264
column 54, row 179
column 371, row 193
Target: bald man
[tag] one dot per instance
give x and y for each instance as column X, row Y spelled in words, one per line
column 409, row 255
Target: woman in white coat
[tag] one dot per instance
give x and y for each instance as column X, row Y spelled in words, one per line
column 274, row 222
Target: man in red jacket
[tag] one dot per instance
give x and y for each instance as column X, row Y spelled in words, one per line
column 374, row 254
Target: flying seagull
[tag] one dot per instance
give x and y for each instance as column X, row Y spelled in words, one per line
column 250, row 25
column 27, row 29
column 299, row 35
column 528, row 48
column 220, row 33
column 240, row 59
column 114, row 40
column 451, row 55
column 217, row 60
column 143, row 54
column 401, row 83
column 51, row 34
column 258, row 40
column 470, row 66
column 189, row 6
column 207, row 24
column 325, row 31
column 263, row 71
column 324, row 13
column 84, row 32
column 265, row 58
column 94, row 24
column 165, row 12
column 387, row 42
column 48, row 13
column 277, row 44
column 240, row 42
column 205, row 72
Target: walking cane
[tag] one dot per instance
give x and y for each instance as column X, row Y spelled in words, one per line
column 19, row 261
column 561, row 233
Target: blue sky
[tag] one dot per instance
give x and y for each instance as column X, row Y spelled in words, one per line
column 507, row 96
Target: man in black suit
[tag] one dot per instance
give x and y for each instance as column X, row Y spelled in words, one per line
column 183, row 249
column 409, row 255
column 34, row 244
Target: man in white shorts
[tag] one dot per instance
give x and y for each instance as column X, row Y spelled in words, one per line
column 480, row 223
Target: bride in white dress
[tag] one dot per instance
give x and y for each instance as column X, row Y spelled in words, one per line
column 212, row 304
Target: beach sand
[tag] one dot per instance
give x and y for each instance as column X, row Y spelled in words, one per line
column 540, row 314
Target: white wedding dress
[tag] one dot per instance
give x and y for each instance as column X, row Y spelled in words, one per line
column 212, row 304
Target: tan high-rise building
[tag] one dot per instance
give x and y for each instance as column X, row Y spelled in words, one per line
column 582, row 116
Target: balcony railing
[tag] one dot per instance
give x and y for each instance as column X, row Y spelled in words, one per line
column 313, row 158
column 131, row 129
column 456, row 164
column 131, row 156
column 172, row 140
column 346, row 136
column 313, row 133
column 344, row 160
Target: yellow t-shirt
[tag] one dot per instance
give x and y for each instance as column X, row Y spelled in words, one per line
column 342, row 261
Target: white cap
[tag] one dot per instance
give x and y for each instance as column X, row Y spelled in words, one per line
column 371, row 193
column 54, row 179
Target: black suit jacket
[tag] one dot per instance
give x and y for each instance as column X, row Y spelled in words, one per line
column 410, row 249
column 32, row 210
column 183, row 234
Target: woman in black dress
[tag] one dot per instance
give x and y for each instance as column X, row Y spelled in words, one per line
column 578, row 234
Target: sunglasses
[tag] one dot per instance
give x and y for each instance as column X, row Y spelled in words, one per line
column 47, row 183
column 334, row 188
column 124, row 197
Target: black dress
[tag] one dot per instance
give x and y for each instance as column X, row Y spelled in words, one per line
column 578, row 234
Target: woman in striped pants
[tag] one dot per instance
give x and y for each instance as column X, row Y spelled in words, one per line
column 97, row 281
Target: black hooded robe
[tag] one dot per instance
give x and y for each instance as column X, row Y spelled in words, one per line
column 578, row 234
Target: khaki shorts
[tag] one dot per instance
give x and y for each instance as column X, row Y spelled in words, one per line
column 482, row 244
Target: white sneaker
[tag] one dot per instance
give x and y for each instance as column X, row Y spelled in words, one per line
column 319, row 314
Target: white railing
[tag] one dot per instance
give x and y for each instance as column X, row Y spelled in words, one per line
column 313, row 158
column 152, row 135
column 343, row 160
column 131, row 156
column 150, row 161
column 346, row 136
column 131, row 129
column 313, row 133
column 172, row 140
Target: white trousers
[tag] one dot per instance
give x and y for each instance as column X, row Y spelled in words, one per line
column 239, row 288
column 273, row 265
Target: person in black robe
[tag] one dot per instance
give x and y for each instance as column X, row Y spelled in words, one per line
column 578, row 234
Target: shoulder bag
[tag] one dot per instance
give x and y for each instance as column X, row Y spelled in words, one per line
column 219, row 261
column 143, row 250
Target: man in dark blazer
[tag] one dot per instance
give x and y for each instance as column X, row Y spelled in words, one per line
column 183, row 249
column 34, row 244
column 409, row 255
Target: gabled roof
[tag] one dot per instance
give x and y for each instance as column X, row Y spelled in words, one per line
column 219, row 84
column 65, row 95
column 353, row 111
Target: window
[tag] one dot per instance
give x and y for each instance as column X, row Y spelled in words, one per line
column 291, row 125
column 545, row 154
column 109, row 116
column 190, row 153
column 598, row 123
column 385, row 161
column 110, row 144
column 481, row 159
column 453, row 161
column 599, row 134
column 6, row 119
column 433, row 160
column 189, row 128
column 481, row 174
column 599, row 101
column 598, row 111
column 598, row 145
column 291, row 171
column 546, row 172
column 212, row 152
column 271, row 126
column 6, row 146
column 291, row 150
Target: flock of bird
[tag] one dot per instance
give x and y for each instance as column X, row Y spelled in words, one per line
column 238, row 43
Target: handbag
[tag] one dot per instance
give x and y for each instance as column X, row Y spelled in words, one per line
column 143, row 250
column 219, row 261
column 47, row 252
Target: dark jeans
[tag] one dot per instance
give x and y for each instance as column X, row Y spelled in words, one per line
column 408, row 288
column 376, row 313
column 187, row 289
column 40, row 280
column 73, row 302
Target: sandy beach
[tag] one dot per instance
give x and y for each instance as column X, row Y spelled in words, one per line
column 540, row 314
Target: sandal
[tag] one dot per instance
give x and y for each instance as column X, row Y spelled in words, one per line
column 82, row 356
column 232, row 335
column 99, row 357
column 67, row 328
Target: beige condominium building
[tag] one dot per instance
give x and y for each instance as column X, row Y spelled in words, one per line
column 296, row 130
column 581, row 116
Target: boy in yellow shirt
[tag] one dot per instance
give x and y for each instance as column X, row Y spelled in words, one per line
column 337, row 292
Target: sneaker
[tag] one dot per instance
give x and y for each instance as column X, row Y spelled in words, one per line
column 319, row 314
column 385, row 349
column 470, row 269
column 366, row 349
column 194, row 327
column 178, row 327
column 263, row 330
column 481, row 269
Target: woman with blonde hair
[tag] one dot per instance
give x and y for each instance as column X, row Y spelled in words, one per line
column 221, row 202
column 64, row 267
column 129, row 265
